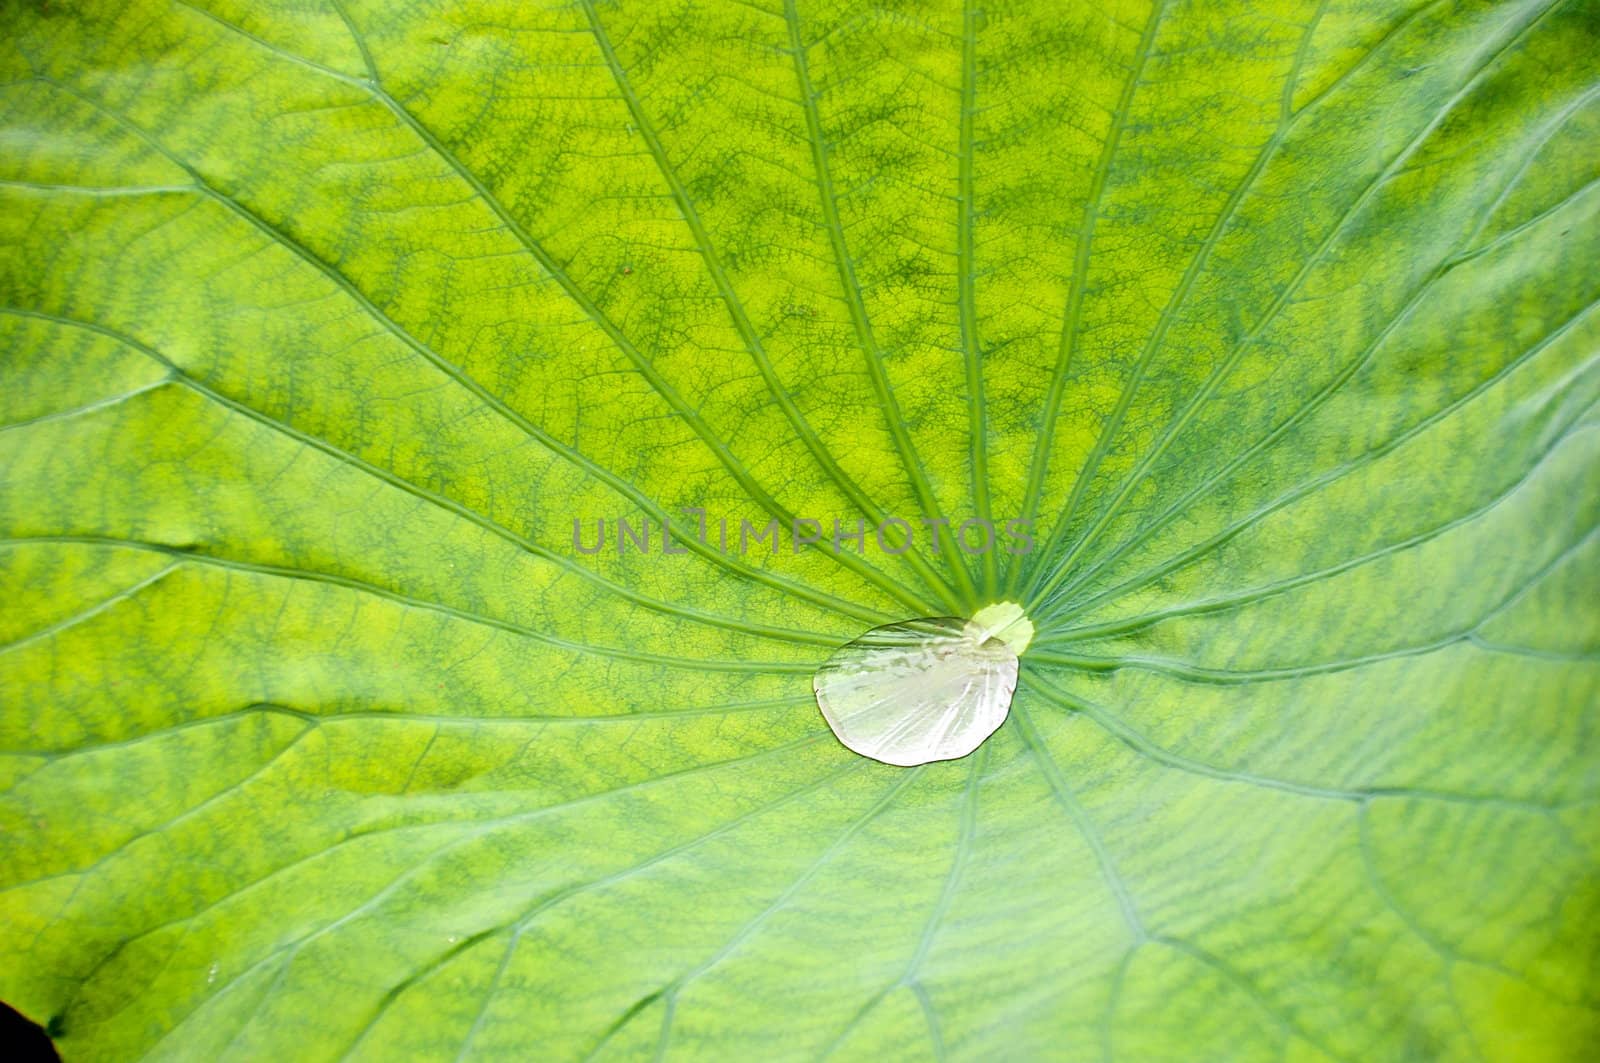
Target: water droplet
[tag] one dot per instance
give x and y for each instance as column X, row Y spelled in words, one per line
column 924, row 690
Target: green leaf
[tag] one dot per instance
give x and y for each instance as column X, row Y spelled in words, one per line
column 324, row 322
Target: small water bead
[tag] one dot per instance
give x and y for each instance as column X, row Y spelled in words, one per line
column 927, row 689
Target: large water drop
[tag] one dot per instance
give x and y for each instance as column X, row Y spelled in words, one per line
column 923, row 690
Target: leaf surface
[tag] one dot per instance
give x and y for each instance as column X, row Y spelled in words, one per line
column 323, row 322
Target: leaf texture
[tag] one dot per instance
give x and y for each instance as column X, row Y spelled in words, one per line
column 323, row 320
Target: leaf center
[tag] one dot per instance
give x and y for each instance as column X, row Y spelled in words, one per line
column 926, row 689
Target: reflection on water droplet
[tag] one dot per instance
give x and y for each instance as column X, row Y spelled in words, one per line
column 923, row 690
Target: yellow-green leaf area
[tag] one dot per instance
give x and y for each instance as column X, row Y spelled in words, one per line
column 1259, row 337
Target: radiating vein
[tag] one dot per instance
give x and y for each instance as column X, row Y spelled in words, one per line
column 860, row 321
column 181, row 376
column 1072, row 317
column 556, row 272
column 1062, row 792
column 182, row 558
column 670, row 991
column 1250, row 596
column 1343, row 376
column 1185, row 670
column 741, row 320
column 736, row 310
column 335, row 716
column 477, row 831
column 525, row 919
column 90, row 612
column 1043, row 588
column 966, row 289
column 1141, row 744
column 966, row 829
column 1284, row 1019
